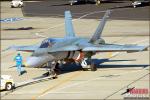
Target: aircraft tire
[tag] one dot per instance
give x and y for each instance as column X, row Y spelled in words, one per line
column 93, row 67
column 12, row 6
column 85, row 69
column 46, row 74
column 8, row 86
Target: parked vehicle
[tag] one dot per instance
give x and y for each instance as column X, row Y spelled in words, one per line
column 7, row 82
column 16, row 3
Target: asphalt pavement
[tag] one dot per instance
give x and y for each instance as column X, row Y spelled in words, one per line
column 55, row 8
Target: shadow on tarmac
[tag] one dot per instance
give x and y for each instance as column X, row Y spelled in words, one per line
column 98, row 62
column 21, row 28
column 122, row 10
column 74, row 67
column 88, row 2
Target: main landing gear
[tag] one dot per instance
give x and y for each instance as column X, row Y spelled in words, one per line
column 88, row 64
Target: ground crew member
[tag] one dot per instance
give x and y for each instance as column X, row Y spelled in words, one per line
column 18, row 60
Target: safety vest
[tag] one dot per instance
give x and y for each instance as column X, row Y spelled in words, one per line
column 18, row 59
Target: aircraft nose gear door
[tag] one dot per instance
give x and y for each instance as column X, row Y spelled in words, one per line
column 88, row 64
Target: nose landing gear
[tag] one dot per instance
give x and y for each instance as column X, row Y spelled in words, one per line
column 53, row 70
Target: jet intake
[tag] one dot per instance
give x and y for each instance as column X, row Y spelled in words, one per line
column 76, row 55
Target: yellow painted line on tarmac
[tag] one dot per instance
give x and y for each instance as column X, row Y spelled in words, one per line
column 109, row 54
column 58, row 84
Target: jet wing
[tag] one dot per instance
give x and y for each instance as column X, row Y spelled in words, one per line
column 101, row 48
column 115, row 48
column 65, row 48
column 30, row 48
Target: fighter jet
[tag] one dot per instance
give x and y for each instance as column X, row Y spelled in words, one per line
column 55, row 51
column 136, row 3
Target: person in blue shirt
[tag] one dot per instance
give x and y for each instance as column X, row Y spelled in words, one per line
column 18, row 60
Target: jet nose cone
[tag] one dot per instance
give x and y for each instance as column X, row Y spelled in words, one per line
column 31, row 62
column 36, row 61
column 28, row 64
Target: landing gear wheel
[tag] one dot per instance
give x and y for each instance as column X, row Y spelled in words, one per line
column 93, row 67
column 57, row 69
column 46, row 74
column 54, row 77
column 85, row 69
column 8, row 86
column 53, row 74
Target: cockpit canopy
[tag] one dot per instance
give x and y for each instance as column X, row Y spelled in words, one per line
column 47, row 43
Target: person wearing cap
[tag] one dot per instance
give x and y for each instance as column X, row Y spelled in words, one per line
column 18, row 60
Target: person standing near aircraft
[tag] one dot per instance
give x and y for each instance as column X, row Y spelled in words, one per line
column 18, row 60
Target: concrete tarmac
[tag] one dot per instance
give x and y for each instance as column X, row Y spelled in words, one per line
column 116, row 71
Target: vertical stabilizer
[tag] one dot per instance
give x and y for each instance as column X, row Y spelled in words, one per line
column 68, row 25
column 100, row 27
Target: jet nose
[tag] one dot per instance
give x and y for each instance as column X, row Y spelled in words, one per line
column 31, row 62
column 28, row 64
column 36, row 61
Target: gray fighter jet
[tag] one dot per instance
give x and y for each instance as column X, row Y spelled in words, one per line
column 55, row 51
